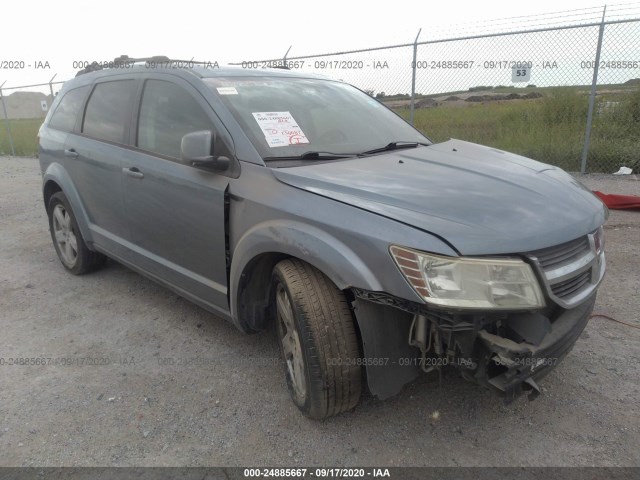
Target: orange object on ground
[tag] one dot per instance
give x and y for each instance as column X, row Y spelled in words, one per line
column 620, row 202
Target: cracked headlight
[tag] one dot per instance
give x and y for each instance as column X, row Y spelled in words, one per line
column 461, row 282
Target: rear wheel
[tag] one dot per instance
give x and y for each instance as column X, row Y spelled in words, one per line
column 317, row 339
column 67, row 238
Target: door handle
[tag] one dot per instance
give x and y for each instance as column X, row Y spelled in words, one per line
column 133, row 172
column 71, row 153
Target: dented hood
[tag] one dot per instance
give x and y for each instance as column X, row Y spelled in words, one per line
column 479, row 199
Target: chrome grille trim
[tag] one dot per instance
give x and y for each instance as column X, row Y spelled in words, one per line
column 566, row 288
column 562, row 254
column 570, row 272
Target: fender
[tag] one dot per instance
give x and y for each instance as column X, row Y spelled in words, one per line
column 316, row 247
column 56, row 173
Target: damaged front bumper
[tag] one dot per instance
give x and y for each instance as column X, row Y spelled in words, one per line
column 506, row 352
column 512, row 367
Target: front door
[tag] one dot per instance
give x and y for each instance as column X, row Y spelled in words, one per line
column 176, row 211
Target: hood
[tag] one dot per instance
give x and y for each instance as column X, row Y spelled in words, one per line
column 479, row 199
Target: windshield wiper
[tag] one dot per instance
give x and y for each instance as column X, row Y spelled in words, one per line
column 311, row 155
column 395, row 146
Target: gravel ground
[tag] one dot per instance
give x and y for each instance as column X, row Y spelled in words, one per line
column 231, row 408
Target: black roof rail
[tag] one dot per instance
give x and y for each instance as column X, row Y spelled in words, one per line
column 93, row 67
column 126, row 59
column 155, row 59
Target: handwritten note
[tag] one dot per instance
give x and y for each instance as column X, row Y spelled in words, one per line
column 280, row 129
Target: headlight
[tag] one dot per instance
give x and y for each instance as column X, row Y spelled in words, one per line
column 469, row 282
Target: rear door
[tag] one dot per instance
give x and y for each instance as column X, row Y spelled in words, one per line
column 96, row 152
column 176, row 212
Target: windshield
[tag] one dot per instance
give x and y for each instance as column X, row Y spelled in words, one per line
column 288, row 117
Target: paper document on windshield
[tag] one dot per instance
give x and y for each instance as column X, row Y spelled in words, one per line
column 280, row 129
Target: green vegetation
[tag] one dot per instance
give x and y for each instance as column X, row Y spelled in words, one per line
column 24, row 134
column 550, row 129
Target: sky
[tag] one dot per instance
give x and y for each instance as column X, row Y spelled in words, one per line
column 55, row 35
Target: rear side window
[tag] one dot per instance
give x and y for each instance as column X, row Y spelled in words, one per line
column 66, row 114
column 107, row 111
column 167, row 113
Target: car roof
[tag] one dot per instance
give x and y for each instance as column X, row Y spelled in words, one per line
column 236, row 71
column 207, row 71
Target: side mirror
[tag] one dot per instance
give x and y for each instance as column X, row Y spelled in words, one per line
column 196, row 148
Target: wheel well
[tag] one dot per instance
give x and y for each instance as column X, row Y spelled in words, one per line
column 50, row 188
column 254, row 291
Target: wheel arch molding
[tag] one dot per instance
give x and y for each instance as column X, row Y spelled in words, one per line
column 56, row 179
column 260, row 248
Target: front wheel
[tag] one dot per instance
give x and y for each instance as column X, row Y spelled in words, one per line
column 318, row 340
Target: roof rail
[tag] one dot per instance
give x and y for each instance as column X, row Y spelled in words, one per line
column 93, row 67
column 156, row 58
column 127, row 60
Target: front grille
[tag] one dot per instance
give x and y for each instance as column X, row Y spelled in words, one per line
column 571, row 271
column 567, row 288
column 566, row 253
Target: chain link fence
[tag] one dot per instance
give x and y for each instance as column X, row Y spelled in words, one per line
column 568, row 94
column 615, row 132
column 22, row 110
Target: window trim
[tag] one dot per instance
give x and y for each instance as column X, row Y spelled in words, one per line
column 126, row 141
column 79, row 114
column 221, row 132
column 135, row 125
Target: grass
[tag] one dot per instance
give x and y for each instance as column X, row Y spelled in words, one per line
column 550, row 129
column 24, row 133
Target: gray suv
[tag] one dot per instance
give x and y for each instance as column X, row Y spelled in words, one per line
column 277, row 198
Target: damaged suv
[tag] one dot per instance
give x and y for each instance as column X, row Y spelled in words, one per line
column 280, row 198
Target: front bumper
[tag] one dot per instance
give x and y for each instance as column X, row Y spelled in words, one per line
column 511, row 367
column 493, row 350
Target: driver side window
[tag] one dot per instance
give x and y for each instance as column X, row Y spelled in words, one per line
column 167, row 113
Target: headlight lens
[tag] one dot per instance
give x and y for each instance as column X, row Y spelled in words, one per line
column 470, row 282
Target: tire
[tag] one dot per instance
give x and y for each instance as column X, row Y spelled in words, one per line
column 72, row 251
column 317, row 338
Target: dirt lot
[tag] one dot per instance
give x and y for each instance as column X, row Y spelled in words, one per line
column 230, row 406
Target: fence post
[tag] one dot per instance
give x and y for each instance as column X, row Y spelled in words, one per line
column 51, row 87
column 414, row 66
column 284, row 59
column 6, row 121
column 592, row 96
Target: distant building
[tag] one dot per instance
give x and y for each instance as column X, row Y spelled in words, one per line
column 26, row 105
